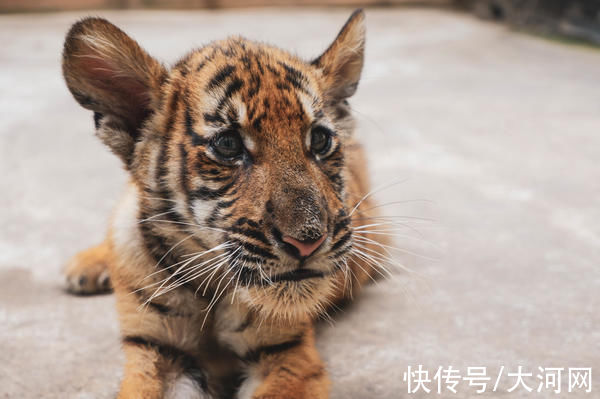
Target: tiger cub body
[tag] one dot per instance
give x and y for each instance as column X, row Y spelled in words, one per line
column 235, row 231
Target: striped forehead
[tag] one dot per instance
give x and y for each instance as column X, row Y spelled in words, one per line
column 242, row 84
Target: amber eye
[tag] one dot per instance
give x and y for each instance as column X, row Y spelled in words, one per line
column 320, row 140
column 228, row 144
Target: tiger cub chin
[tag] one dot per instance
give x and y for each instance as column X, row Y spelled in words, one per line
column 239, row 224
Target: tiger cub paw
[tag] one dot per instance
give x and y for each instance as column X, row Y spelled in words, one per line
column 87, row 272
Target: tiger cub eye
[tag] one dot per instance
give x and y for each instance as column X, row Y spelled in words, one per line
column 228, row 144
column 320, row 140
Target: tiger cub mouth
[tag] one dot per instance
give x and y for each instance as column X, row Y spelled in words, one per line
column 297, row 275
column 252, row 277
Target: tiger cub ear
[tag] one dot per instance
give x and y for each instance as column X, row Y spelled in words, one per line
column 110, row 74
column 342, row 62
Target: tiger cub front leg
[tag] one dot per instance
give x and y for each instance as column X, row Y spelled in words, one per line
column 289, row 370
column 87, row 271
column 154, row 370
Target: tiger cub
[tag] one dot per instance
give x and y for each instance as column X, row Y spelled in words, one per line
column 238, row 226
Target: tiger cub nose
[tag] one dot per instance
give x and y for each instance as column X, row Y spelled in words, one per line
column 305, row 247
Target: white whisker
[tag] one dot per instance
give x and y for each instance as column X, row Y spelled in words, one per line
column 164, row 256
column 375, row 190
column 159, row 199
column 392, row 203
column 161, row 291
column 150, row 218
column 191, row 224
column 373, row 260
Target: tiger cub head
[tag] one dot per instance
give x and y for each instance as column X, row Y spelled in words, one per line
column 237, row 152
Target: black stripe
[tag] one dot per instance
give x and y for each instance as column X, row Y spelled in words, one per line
column 345, row 238
column 288, row 371
column 172, row 110
column 206, row 60
column 155, row 244
column 201, row 65
column 251, row 111
column 213, row 171
column 212, row 118
column 167, row 310
column 183, row 170
column 228, row 51
column 248, row 259
column 161, row 169
column 186, row 360
column 272, row 69
column 337, row 181
column 220, row 76
column 203, row 162
column 214, row 215
column 246, row 61
column 189, row 129
column 160, row 308
column 291, row 70
column 157, row 307
column 233, row 87
column 341, row 252
column 217, row 179
column 256, row 354
column 254, row 86
column 294, row 76
column 166, row 350
column 226, row 204
column 241, row 221
column 231, row 115
column 183, row 70
column 245, row 324
column 86, row 101
column 97, row 119
column 259, row 66
column 247, row 221
column 255, row 249
column 252, row 223
column 205, row 193
column 227, row 216
column 257, row 235
column 342, row 224
column 249, row 276
column 269, row 207
column 257, row 122
column 283, row 86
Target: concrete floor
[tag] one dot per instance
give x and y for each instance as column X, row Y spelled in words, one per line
column 498, row 131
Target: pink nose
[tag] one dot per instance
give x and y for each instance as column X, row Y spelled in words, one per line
column 306, row 248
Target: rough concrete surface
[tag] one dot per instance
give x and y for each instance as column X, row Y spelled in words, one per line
column 493, row 135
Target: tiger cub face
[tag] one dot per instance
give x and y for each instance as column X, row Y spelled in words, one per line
column 238, row 156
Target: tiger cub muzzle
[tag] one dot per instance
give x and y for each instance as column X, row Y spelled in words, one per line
column 299, row 222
